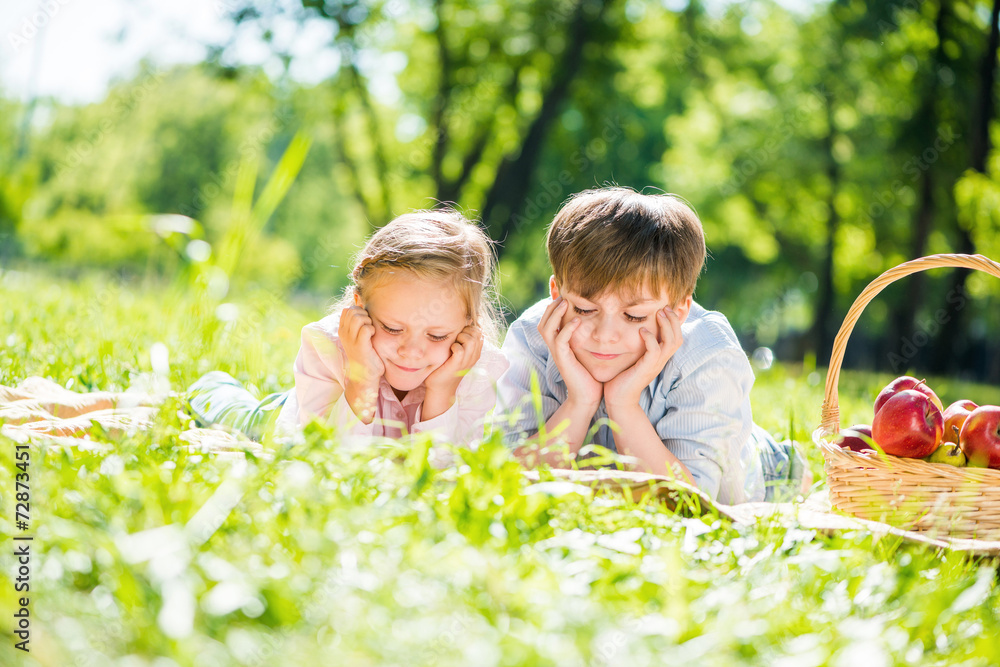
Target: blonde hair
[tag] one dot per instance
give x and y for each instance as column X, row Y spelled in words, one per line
column 440, row 244
column 616, row 238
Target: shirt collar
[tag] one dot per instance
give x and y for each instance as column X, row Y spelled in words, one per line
column 415, row 395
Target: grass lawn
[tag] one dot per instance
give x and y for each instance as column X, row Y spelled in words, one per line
column 324, row 555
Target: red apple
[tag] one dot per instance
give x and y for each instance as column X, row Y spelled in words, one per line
column 909, row 424
column 850, row 438
column 902, row 384
column 954, row 417
column 980, row 437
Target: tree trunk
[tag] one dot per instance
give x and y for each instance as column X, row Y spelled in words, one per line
column 439, row 122
column 947, row 344
column 821, row 334
column 923, row 218
column 352, row 167
column 515, row 174
column 378, row 150
column 451, row 190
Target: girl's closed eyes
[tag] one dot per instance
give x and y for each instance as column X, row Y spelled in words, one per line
column 437, row 338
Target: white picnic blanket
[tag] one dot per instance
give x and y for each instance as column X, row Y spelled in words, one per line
column 40, row 410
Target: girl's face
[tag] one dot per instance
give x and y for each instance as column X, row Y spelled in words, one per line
column 416, row 320
column 607, row 341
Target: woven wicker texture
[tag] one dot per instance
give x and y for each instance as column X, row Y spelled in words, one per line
column 909, row 493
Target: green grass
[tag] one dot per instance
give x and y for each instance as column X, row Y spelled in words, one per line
column 331, row 555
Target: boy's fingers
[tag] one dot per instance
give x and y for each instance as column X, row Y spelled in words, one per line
column 650, row 340
column 548, row 326
column 563, row 337
column 551, row 310
column 669, row 325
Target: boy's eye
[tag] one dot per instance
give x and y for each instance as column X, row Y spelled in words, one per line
column 581, row 311
column 437, row 339
column 394, row 332
column 635, row 318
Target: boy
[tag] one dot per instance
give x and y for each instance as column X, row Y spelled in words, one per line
column 622, row 340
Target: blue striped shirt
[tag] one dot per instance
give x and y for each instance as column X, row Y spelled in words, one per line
column 699, row 404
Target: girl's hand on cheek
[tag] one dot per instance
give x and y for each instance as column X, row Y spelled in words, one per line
column 465, row 352
column 356, row 330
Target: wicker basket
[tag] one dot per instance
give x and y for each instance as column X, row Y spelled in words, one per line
column 936, row 498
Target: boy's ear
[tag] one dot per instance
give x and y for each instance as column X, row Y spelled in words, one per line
column 357, row 299
column 684, row 307
column 553, row 288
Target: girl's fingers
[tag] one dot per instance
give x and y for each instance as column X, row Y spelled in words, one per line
column 475, row 350
column 478, row 342
column 469, row 334
column 356, row 317
column 468, row 351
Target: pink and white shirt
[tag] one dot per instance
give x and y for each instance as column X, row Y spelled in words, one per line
column 320, row 372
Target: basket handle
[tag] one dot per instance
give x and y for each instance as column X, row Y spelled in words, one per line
column 831, row 409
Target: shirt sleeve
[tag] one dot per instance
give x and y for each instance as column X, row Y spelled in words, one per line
column 319, row 383
column 708, row 419
column 466, row 420
column 518, row 415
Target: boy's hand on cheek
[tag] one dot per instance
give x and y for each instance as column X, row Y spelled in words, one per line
column 580, row 384
column 625, row 389
column 355, row 331
column 465, row 352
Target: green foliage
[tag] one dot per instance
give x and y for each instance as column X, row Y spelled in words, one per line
column 820, row 147
column 326, row 552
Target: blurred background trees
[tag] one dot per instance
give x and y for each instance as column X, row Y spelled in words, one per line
column 821, row 143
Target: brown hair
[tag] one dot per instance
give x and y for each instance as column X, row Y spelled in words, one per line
column 616, row 238
column 441, row 244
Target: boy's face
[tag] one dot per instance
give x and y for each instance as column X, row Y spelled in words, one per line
column 607, row 341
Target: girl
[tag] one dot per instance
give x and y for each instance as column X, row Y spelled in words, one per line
column 410, row 348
